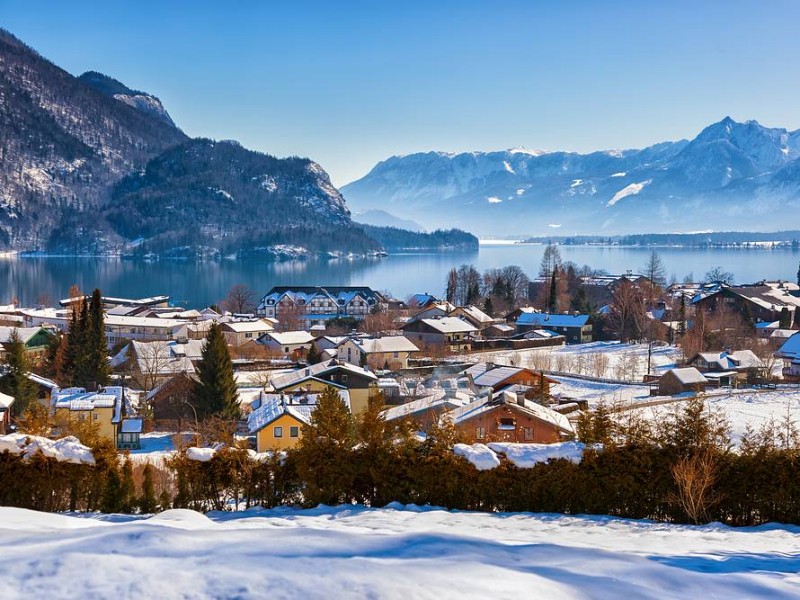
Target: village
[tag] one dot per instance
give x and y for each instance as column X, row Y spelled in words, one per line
column 520, row 362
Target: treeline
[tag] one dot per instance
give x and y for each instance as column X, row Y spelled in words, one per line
column 680, row 469
column 393, row 238
column 693, row 240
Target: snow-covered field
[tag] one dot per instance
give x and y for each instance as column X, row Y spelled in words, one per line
column 400, row 552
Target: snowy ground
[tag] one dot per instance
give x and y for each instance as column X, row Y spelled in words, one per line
column 351, row 552
column 612, row 360
column 744, row 407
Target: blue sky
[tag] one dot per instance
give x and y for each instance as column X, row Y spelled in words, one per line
column 351, row 83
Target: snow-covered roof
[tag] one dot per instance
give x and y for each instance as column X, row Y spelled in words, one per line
column 78, row 399
column 389, row 343
column 300, row 406
column 439, row 402
column 316, row 371
column 24, row 333
column 549, row 320
column 131, row 425
column 6, row 401
column 474, row 313
column 533, row 409
column 790, row 348
column 740, row 359
column 289, row 338
column 688, row 375
column 450, row 325
column 257, row 326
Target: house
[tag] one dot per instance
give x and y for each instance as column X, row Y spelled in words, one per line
column 118, row 328
column 498, row 331
column 762, row 301
column 35, row 339
column 103, row 408
column 277, row 420
column 472, row 315
column 509, row 417
column 306, row 306
column 360, row 383
column 738, row 363
column 286, row 343
column 420, row 301
column 382, row 352
column 682, row 380
column 576, row 328
column 434, row 310
column 427, row 411
column 496, row 377
column 5, row 413
column 150, row 363
column 238, row 333
column 789, row 353
column 129, row 432
column 170, row 400
column 449, row 333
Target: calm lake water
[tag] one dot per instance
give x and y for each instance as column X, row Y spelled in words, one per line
column 199, row 284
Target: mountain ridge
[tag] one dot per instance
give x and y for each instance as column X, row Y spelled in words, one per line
column 728, row 170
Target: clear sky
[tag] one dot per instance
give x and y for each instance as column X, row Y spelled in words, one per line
column 351, row 83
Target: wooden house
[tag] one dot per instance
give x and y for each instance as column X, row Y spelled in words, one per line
column 682, row 380
column 509, row 417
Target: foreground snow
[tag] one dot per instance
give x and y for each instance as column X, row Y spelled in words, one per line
column 401, row 552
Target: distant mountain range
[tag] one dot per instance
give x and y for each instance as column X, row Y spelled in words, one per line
column 90, row 166
column 740, row 176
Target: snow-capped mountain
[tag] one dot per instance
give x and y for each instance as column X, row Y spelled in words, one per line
column 731, row 176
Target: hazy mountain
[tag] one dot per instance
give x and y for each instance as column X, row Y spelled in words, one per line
column 731, row 176
column 381, row 218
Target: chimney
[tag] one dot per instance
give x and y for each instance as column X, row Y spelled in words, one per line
column 521, row 398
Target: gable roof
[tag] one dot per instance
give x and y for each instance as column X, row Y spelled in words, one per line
column 447, row 325
column 25, row 334
column 790, row 348
column 546, row 320
column 488, row 403
column 288, row 338
column 472, row 313
column 687, row 375
column 740, row 359
column 389, row 343
column 269, row 407
column 316, row 371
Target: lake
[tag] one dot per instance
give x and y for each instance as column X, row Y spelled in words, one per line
column 200, row 284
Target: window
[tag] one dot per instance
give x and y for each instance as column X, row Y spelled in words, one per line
column 344, row 378
column 248, row 335
column 277, row 432
column 527, row 433
column 95, row 416
column 507, row 424
column 396, row 355
column 286, row 349
column 294, row 432
column 480, row 433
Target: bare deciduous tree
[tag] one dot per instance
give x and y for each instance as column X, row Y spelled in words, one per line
column 240, row 300
column 695, row 476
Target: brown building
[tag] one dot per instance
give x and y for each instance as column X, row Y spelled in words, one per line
column 679, row 381
column 509, row 417
column 497, row 377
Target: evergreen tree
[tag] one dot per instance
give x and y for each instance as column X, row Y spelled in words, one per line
column 16, row 383
column 127, row 487
column 786, row 319
column 215, row 391
column 78, row 346
column 682, row 316
column 798, row 274
column 147, row 501
column 488, row 307
column 552, row 301
column 579, row 301
column 313, row 355
column 452, row 285
column 97, row 371
column 112, row 500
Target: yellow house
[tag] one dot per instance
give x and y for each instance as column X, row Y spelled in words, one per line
column 102, row 408
column 361, row 384
column 277, row 419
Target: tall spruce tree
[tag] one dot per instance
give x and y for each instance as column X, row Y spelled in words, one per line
column 552, row 301
column 215, row 391
column 96, row 367
column 78, row 344
column 16, row 383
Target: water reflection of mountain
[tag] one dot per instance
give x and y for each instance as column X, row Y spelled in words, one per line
column 202, row 283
